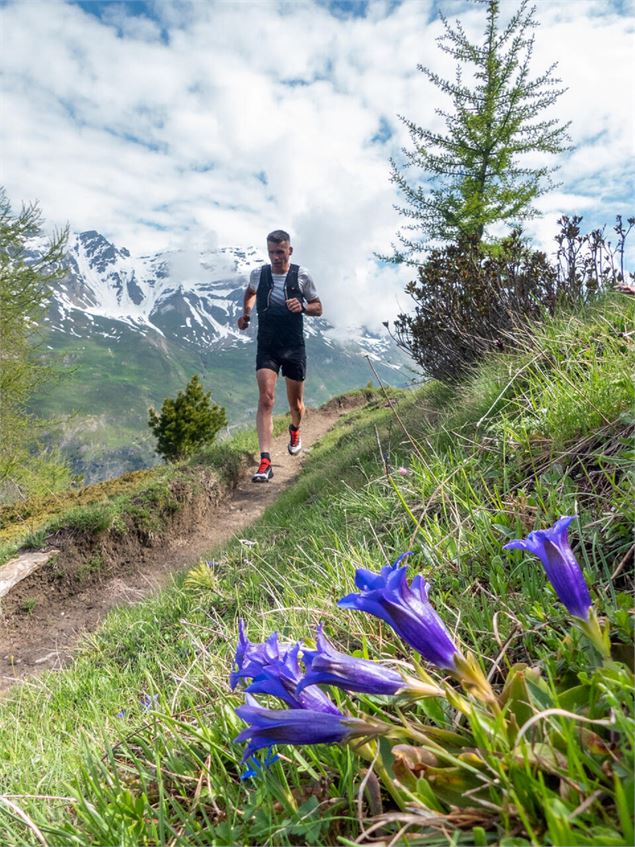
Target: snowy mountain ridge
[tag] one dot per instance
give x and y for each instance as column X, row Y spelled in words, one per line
column 191, row 299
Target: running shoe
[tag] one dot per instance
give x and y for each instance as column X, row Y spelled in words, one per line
column 295, row 444
column 264, row 472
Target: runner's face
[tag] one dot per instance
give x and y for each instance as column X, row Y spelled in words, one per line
column 279, row 256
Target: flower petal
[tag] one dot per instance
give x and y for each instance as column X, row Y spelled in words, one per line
column 552, row 547
column 408, row 612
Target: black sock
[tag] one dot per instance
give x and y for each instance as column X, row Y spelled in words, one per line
column 293, row 428
column 265, row 456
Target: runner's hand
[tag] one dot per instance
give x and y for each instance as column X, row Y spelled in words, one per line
column 294, row 305
column 243, row 322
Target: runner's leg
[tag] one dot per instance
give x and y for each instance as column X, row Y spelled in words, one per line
column 295, row 396
column 266, row 380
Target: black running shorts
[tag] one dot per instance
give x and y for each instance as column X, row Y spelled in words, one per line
column 292, row 360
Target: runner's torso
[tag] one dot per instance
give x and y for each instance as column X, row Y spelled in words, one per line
column 277, row 326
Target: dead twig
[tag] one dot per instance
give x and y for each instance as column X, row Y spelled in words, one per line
column 22, row 815
column 391, row 403
column 623, row 562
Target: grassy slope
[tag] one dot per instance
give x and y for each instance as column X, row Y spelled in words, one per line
column 99, row 507
column 531, row 437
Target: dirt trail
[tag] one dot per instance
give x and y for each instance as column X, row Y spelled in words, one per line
column 40, row 627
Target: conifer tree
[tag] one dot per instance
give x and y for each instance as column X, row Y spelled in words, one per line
column 26, row 277
column 187, row 423
column 477, row 172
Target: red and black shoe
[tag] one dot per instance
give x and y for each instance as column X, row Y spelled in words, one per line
column 295, row 444
column 264, row 472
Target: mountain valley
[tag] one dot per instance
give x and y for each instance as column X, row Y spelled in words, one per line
column 130, row 331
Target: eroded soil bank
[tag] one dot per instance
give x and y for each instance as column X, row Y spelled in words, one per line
column 43, row 617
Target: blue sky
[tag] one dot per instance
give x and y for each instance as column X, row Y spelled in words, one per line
column 187, row 125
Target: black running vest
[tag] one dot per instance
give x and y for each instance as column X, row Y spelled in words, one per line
column 279, row 330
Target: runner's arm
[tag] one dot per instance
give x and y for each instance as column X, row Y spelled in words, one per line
column 249, row 300
column 313, row 308
column 313, row 304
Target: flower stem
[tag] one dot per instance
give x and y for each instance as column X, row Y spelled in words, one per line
column 597, row 635
column 374, row 757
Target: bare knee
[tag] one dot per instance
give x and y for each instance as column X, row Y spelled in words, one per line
column 266, row 400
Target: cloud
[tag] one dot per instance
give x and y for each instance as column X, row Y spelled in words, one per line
column 226, row 120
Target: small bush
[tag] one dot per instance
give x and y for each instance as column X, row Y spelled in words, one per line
column 187, row 423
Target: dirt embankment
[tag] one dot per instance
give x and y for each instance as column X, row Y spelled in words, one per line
column 44, row 615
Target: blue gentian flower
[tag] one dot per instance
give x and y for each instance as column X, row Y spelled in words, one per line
column 147, row 701
column 295, row 726
column 254, row 655
column 257, row 766
column 251, row 658
column 368, row 581
column 281, row 679
column 406, row 609
column 553, row 549
column 274, row 670
column 328, row 666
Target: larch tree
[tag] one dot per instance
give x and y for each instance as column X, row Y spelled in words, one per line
column 482, row 170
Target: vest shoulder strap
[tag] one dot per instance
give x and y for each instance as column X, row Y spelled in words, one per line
column 292, row 282
column 265, row 276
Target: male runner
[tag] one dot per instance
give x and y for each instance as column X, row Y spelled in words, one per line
column 283, row 293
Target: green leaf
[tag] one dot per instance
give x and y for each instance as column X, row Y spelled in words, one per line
column 427, row 796
column 480, row 836
column 560, row 832
column 516, row 695
column 625, row 809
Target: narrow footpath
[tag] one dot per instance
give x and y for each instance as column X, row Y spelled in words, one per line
column 45, row 636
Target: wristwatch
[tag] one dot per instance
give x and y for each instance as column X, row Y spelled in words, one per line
column 304, row 311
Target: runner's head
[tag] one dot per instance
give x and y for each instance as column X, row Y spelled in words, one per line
column 280, row 250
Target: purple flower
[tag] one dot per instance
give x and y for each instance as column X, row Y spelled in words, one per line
column 147, row 702
column 406, row 609
column 329, row 667
column 294, row 726
column 367, row 580
column 275, row 670
column 553, row 549
column 252, row 657
column 281, row 679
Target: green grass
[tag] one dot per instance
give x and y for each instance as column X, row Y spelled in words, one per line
column 531, row 436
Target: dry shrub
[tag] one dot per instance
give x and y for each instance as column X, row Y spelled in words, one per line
column 469, row 299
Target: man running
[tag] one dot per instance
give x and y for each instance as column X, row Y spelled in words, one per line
column 282, row 293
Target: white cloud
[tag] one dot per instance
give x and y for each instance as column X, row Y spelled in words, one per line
column 227, row 120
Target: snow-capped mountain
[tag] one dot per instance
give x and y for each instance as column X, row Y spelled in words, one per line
column 107, row 285
column 132, row 330
column 192, row 299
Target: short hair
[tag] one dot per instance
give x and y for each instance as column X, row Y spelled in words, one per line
column 278, row 236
